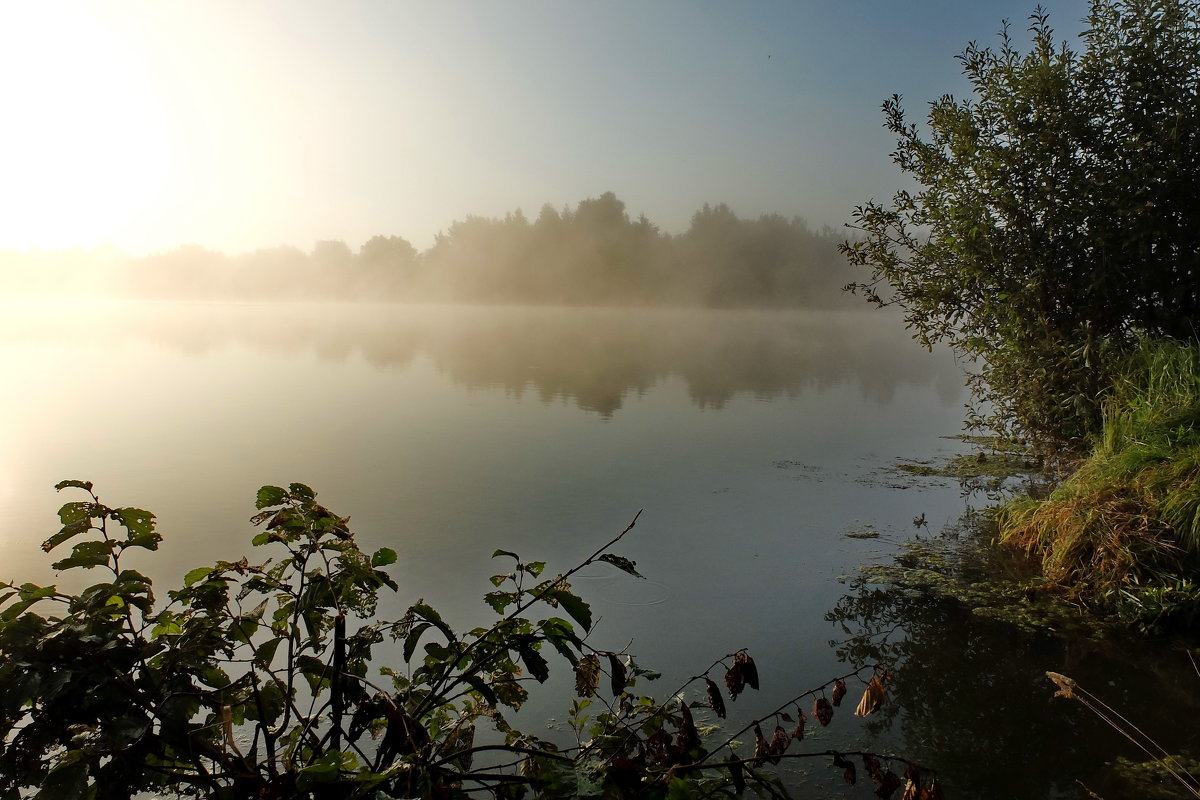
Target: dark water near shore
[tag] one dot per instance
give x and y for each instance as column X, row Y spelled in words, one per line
column 753, row 442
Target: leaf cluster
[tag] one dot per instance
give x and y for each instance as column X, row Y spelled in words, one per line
column 274, row 679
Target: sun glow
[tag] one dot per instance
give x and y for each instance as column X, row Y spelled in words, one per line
column 84, row 151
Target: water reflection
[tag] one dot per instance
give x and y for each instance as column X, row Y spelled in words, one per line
column 593, row 358
column 970, row 697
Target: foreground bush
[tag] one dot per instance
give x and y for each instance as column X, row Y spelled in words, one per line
column 1123, row 531
column 260, row 681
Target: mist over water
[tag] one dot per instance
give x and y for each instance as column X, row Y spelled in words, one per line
column 448, row 432
column 753, row 441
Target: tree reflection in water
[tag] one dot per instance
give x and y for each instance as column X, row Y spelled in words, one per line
column 970, row 697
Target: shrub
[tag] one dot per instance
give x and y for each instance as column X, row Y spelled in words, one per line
column 1056, row 214
column 259, row 680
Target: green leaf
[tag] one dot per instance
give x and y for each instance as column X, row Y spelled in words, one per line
column 29, row 593
column 534, row 662
column 86, row 555
column 499, row 600
column 69, row 531
column 383, row 556
column 166, row 628
column 265, row 653
column 508, row 553
column 78, row 512
column 269, row 496
column 535, row 568
column 302, row 491
column 135, row 520
column 561, row 644
column 326, row 769
column 85, row 485
column 414, row 636
column 621, row 563
column 499, row 579
column 485, row 691
column 580, row 611
column 429, row 613
column 214, row 676
column 197, row 574
column 67, row 780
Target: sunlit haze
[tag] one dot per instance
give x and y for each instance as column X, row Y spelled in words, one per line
column 147, row 125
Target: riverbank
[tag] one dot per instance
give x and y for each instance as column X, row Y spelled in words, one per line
column 1120, row 536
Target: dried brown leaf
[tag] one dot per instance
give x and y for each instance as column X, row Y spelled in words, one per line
column 658, row 747
column 1066, row 686
column 873, row 767
column 872, row 698
column 911, row 789
column 714, row 698
column 739, row 779
column 839, row 691
column 749, row 670
column 823, row 711
column 688, row 738
column 616, row 673
column 779, row 743
column 587, row 675
column 887, row 785
column 735, row 679
column 761, row 748
column 932, row 791
column 847, row 767
column 798, row 731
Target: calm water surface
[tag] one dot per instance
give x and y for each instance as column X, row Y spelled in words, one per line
column 752, row 441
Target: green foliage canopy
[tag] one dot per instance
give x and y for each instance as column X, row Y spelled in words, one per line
column 1057, row 212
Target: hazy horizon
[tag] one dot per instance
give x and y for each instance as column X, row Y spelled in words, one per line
column 146, row 126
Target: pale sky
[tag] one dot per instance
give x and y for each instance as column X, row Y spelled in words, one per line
column 241, row 125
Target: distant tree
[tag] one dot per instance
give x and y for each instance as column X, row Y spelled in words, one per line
column 602, row 215
column 190, row 271
column 1057, row 213
column 332, row 253
column 389, row 266
column 275, row 272
column 387, row 252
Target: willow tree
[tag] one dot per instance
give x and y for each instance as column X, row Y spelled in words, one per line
column 1056, row 212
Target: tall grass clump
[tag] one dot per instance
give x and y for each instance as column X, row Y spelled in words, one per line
column 1122, row 533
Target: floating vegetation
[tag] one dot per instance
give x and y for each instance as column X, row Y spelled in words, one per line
column 970, row 466
column 964, row 566
column 1155, row 780
column 863, row 533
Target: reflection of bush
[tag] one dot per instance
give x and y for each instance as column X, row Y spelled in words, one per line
column 973, row 702
column 590, row 357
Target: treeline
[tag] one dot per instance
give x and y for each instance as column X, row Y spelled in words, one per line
column 594, row 253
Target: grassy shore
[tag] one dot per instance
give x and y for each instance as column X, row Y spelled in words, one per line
column 1122, row 533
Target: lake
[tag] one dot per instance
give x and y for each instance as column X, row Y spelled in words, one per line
column 753, row 443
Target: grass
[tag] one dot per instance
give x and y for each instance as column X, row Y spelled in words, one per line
column 1123, row 530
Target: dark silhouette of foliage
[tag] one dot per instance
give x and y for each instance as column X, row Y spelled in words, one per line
column 1057, row 214
column 263, row 680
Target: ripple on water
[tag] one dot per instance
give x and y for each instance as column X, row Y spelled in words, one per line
column 610, row 585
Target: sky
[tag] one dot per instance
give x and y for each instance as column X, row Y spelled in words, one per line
column 146, row 125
